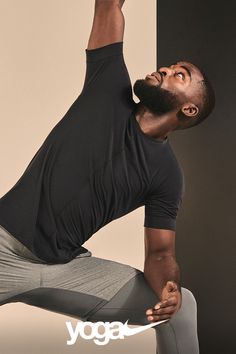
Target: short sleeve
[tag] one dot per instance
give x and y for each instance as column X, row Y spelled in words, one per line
column 163, row 203
column 106, row 69
column 101, row 53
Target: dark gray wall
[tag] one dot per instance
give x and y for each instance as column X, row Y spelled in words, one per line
column 204, row 32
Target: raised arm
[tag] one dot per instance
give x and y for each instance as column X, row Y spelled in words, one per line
column 108, row 23
column 162, row 272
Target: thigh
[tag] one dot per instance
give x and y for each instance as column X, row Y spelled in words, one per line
column 17, row 273
column 77, row 288
column 129, row 303
column 89, row 275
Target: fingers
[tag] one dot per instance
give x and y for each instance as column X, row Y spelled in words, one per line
column 172, row 300
column 163, row 310
column 155, row 317
column 159, row 318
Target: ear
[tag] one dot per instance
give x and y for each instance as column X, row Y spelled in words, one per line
column 190, row 109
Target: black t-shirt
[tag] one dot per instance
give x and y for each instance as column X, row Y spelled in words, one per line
column 95, row 166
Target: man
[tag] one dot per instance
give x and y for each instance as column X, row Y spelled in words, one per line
column 106, row 157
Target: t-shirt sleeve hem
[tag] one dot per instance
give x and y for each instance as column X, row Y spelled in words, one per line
column 104, row 51
column 159, row 223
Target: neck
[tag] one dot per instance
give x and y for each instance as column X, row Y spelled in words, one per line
column 154, row 125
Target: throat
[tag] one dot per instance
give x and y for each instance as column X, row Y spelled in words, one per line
column 150, row 127
column 157, row 126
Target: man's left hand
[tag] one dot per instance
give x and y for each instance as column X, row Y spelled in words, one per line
column 169, row 304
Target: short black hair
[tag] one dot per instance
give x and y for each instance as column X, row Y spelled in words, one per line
column 207, row 100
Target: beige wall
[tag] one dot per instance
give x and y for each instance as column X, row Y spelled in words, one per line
column 42, row 69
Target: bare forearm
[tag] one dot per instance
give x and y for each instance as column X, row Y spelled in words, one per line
column 108, row 23
column 120, row 3
column 159, row 270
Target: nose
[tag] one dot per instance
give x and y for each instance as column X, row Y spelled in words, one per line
column 165, row 71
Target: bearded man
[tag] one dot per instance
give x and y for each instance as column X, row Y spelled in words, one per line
column 106, row 157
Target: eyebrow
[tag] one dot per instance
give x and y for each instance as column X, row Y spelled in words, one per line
column 185, row 68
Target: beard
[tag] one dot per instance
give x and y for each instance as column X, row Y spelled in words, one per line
column 156, row 99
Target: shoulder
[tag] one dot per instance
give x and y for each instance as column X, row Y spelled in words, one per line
column 106, row 71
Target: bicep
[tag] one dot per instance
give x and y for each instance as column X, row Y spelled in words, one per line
column 108, row 25
column 159, row 242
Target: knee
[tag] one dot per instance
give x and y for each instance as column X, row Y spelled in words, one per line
column 186, row 316
column 188, row 300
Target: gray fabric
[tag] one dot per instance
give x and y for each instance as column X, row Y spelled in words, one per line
column 63, row 301
column 93, row 289
column 21, row 270
column 177, row 336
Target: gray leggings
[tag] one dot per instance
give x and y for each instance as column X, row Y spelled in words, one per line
column 92, row 289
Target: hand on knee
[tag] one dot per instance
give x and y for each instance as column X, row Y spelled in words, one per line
column 169, row 304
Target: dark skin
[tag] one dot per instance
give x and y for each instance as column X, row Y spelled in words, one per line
column 183, row 79
column 160, row 267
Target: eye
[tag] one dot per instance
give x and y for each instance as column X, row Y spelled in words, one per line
column 180, row 74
